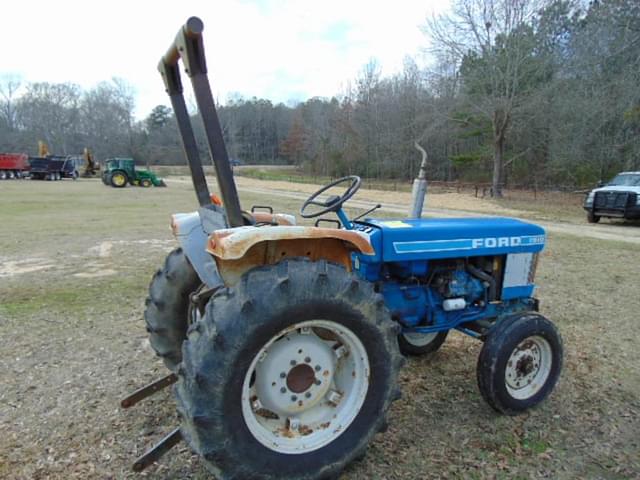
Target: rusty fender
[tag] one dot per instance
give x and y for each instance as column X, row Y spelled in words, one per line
column 192, row 231
column 279, row 218
column 237, row 250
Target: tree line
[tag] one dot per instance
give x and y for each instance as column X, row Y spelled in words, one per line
column 541, row 93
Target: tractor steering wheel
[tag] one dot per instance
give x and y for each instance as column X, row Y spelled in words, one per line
column 334, row 202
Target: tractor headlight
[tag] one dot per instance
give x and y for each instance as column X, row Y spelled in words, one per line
column 589, row 199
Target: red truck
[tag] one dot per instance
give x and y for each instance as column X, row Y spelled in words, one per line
column 13, row 165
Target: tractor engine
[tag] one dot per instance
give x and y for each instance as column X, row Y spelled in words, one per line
column 429, row 293
column 458, row 288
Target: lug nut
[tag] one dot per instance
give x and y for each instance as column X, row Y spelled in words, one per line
column 283, row 375
column 318, row 368
column 318, row 382
column 283, row 390
column 293, row 362
column 308, row 394
column 294, row 398
column 307, row 359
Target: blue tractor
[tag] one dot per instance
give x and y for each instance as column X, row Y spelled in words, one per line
column 285, row 341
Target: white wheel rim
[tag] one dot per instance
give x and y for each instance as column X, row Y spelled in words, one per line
column 419, row 339
column 298, row 408
column 528, row 367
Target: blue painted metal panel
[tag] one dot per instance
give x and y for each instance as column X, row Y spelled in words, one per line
column 432, row 238
column 404, row 250
column 510, row 293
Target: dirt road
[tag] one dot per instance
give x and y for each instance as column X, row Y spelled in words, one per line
column 461, row 205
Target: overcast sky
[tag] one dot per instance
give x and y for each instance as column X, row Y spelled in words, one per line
column 283, row 50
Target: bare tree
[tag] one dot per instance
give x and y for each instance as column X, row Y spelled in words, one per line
column 107, row 118
column 9, row 86
column 50, row 111
column 492, row 42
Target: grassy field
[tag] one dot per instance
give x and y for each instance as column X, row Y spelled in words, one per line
column 75, row 262
column 545, row 205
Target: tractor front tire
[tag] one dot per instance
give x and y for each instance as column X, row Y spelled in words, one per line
column 167, row 307
column 146, row 183
column 118, row 180
column 421, row 343
column 289, row 374
column 520, row 363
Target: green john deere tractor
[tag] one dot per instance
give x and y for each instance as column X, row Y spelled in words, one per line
column 118, row 172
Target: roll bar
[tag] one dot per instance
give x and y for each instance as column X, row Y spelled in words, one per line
column 188, row 46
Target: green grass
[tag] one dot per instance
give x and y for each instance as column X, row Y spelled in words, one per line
column 71, row 296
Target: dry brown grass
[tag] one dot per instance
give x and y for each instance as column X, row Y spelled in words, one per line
column 72, row 346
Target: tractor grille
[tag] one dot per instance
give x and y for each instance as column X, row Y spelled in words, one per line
column 614, row 200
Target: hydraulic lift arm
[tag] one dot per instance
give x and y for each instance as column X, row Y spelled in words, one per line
column 189, row 47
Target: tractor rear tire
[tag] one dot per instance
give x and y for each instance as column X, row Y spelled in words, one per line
column 421, row 344
column 118, row 180
column 520, row 363
column 298, row 317
column 167, row 307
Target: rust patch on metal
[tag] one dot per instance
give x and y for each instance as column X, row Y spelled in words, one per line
column 174, row 226
column 325, row 334
column 233, row 243
column 300, row 378
column 285, row 432
column 267, row 217
column 272, row 252
column 263, row 412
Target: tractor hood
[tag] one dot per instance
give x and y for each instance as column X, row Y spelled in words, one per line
column 432, row 238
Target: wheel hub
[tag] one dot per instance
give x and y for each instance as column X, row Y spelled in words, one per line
column 305, row 386
column 525, row 365
column 528, row 367
column 294, row 373
column 300, row 378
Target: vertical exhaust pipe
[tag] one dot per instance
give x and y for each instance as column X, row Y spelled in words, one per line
column 419, row 189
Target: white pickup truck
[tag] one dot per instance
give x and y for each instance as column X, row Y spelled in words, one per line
column 620, row 198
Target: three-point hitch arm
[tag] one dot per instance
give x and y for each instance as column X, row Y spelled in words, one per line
column 189, row 47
